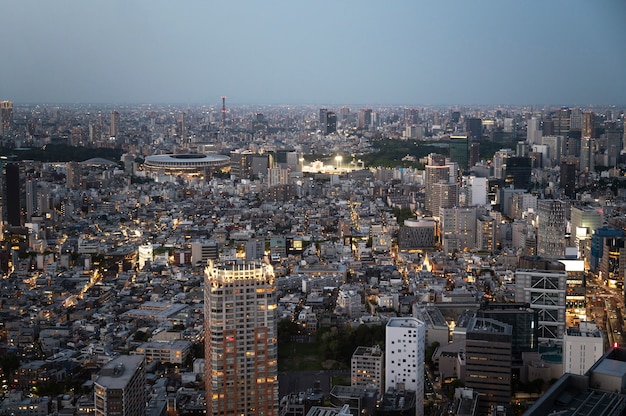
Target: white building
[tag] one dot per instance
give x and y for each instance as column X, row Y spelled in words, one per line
column 582, row 347
column 405, row 340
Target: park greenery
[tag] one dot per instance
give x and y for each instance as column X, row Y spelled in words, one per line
column 61, row 153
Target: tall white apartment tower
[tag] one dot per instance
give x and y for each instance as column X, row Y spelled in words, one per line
column 241, row 370
column 405, row 340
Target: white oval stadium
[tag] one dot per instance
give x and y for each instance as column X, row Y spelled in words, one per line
column 186, row 161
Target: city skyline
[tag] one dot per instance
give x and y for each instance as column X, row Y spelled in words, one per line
column 554, row 53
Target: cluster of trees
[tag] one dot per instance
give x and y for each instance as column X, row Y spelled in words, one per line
column 63, row 153
column 339, row 345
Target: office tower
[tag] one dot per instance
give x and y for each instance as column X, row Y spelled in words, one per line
column 434, row 174
column 30, row 198
column 477, row 191
column 551, row 225
column 499, row 162
column 474, row 154
column 241, row 164
column 14, row 194
column 517, row 172
column 582, row 347
column 613, row 262
column 474, row 129
column 562, row 120
column 458, row 228
column 588, row 128
column 73, row 175
column 120, row 387
column 323, row 119
column 365, row 118
column 367, row 368
column 328, row 121
column 459, row 150
column 567, row 180
column 555, row 148
column 486, row 233
column 404, row 358
column 241, row 370
column 443, row 195
column 587, row 154
column 6, row 117
column 585, row 221
column 576, row 119
column 545, row 292
column 522, row 149
column 331, row 122
column 523, row 320
column 533, row 131
column 115, row 123
column 488, row 346
column 597, row 244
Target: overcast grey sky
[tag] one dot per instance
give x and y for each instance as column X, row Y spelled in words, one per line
column 404, row 52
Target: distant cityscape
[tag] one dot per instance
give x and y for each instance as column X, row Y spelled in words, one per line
column 312, row 260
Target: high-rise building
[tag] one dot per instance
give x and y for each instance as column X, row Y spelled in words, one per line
column 517, row 172
column 6, row 117
column 545, row 291
column 14, row 198
column 73, row 175
column 474, row 154
column 582, row 347
column 404, row 357
column 562, row 121
column 588, row 129
column 486, row 233
column 115, row 123
column 523, row 320
column 567, row 180
column 533, row 131
column 587, row 154
column 551, row 227
column 331, row 122
column 367, row 368
column 120, row 387
column 488, row 346
column 613, row 262
column 459, row 150
column 241, row 370
column 365, row 118
column 474, row 129
column 443, row 195
column 434, row 174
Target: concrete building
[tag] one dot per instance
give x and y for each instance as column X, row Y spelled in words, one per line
column 551, row 227
column 437, row 329
column 173, row 352
column 241, row 373
column 120, row 387
column 367, row 368
column 404, row 358
column 582, row 347
column 545, row 292
column 488, row 346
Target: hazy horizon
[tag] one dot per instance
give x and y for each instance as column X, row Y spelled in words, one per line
column 404, row 53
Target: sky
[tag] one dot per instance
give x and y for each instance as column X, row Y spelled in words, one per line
column 399, row 52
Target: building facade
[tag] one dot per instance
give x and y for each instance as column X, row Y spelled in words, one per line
column 119, row 389
column 404, row 358
column 241, row 373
